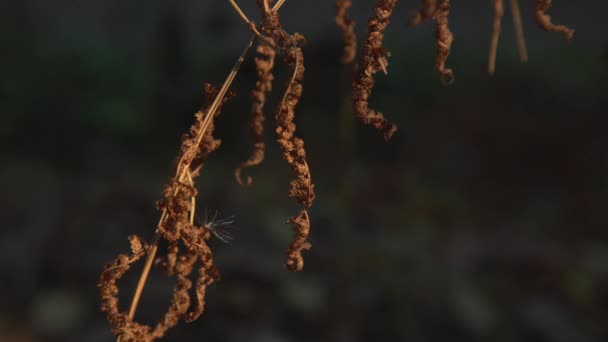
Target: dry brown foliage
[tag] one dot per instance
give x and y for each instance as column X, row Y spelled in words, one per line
column 544, row 20
column 347, row 25
column 177, row 227
column 264, row 63
column 187, row 249
column 373, row 58
column 443, row 40
column 426, row 11
column 302, row 189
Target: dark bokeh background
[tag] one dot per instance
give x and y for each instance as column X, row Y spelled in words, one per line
column 484, row 219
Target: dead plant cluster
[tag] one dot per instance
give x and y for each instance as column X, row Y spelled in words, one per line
column 187, row 241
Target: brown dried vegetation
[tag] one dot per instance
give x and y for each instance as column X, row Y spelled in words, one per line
column 544, row 20
column 347, row 25
column 187, row 242
column 373, row 58
column 426, row 11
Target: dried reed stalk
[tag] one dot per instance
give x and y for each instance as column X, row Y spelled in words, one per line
column 519, row 31
column 499, row 11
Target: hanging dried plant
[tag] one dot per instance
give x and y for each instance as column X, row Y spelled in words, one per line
column 188, row 248
column 443, row 39
column 544, row 20
column 264, row 63
column 176, row 226
column 425, row 12
column 302, row 189
column 373, row 58
column 347, row 25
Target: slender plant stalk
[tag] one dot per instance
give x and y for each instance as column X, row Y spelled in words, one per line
column 278, row 5
column 183, row 173
column 519, row 31
column 499, row 11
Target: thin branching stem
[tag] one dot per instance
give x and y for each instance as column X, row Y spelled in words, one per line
column 182, row 173
column 278, row 5
column 250, row 24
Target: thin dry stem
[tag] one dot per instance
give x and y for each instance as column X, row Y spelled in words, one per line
column 278, row 5
column 519, row 31
column 181, row 175
column 499, row 11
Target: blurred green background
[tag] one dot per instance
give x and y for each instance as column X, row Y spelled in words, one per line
column 484, row 219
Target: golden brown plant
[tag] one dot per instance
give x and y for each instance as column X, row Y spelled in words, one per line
column 425, row 12
column 444, row 39
column 373, row 58
column 544, row 20
column 264, row 63
column 499, row 11
column 187, row 242
column 347, row 25
column 302, row 189
column 176, row 226
column 519, row 31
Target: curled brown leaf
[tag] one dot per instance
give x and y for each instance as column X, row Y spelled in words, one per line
column 373, row 58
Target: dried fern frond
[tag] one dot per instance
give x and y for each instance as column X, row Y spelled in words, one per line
column 373, row 58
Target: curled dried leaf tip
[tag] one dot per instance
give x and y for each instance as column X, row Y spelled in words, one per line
column 426, row 11
column 544, row 20
column 373, row 58
column 443, row 39
column 301, row 222
column 347, row 25
column 119, row 321
column 264, row 64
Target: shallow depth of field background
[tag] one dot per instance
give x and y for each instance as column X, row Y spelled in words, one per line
column 484, row 219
